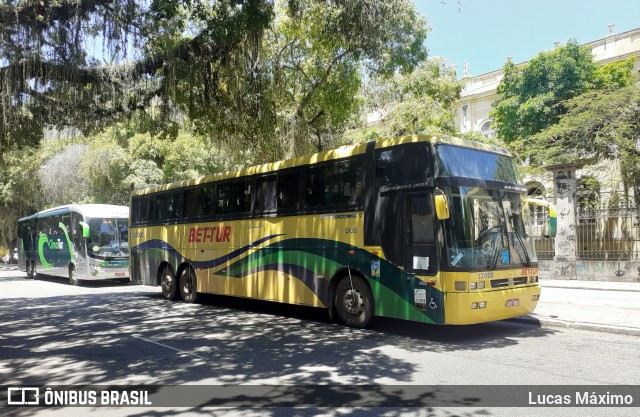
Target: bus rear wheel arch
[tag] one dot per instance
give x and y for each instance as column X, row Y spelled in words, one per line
column 353, row 301
column 168, row 283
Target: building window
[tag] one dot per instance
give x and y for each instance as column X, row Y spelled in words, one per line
column 486, row 129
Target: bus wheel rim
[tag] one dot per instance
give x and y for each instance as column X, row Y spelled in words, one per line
column 167, row 282
column 353, row 302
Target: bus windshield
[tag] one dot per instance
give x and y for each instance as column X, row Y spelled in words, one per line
column 487, row 229
column 108, row 238
column 454, row 161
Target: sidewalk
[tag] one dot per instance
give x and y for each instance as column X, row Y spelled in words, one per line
column 612, row 307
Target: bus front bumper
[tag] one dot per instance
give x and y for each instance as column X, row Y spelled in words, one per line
column 484, row 306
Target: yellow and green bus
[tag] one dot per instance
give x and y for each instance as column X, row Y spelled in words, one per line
column 433, row 229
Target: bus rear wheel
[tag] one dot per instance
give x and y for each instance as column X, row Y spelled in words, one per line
column 168, row 284
column 31, row 270
column 354, row 302
column 188, row 286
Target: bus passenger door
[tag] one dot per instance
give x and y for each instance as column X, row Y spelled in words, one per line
column 421, row 256
column 420, row 237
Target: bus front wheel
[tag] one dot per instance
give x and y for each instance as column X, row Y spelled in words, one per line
column 354, row 302
column 188, row 285
column 168, row 284
column 73, row 276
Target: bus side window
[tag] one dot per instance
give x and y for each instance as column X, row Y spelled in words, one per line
column 233, row 197
column 266, row 201
column 414, row 159
column 199, row 201
column 422, row 221
column 140, row 210
column 160, row 212
column 174, row 206
column 338, row 183
column 242, row 196
column 287, row 191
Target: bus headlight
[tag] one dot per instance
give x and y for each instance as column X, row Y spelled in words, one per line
column 476, row 285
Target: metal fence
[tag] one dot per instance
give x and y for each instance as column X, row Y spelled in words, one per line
column 608, row 233
column 602, row 233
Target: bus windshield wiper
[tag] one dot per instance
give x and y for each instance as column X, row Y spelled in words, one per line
column 524, row 248
column 500, row 230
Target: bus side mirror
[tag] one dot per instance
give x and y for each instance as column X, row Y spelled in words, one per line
column 442, row 207
column 85, row 230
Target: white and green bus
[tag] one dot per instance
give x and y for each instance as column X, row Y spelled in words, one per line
column 78, row 241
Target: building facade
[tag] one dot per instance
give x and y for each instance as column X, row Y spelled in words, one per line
column 479, row 91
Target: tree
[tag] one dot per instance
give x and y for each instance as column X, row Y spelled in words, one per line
column 602, row 124
column 226, row 65
column 50, row 74
column 418, row 102
column 20, row 192
column 531, row 98
column 318, row 52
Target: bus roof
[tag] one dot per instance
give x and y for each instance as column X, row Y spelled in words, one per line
column 87, row 210
column 338, row 153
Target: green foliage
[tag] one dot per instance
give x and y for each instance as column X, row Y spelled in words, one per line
column 191, row 157
column 615, row 74
column 19, row 189
column 317, row 52
column 598, row 125
column 419, row 102
column 530, row 98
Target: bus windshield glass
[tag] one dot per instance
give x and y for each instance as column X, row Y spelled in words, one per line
column 454, row 161
column 487, row 229
column 108, row 238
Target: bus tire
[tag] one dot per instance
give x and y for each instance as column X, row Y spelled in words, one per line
column 168, row 284
column 188, row 285
column 73, row 276
column 354, row 302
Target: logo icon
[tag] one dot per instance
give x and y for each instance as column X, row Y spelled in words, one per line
column 23, row 396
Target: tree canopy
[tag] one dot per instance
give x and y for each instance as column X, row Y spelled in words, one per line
column 601, row 124
column 264, row 75
column 531, row 97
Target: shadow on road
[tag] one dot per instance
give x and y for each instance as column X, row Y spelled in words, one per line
column 126, row 337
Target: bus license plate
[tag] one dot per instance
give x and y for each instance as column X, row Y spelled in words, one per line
column 514, row 302
column 120, row 274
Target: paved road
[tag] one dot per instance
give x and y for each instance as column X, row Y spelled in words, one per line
column 56, row 334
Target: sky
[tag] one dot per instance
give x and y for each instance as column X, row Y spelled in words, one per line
column 485, row 32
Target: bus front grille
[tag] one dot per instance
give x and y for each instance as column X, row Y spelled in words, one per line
column 508, row 282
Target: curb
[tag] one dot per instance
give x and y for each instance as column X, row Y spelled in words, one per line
column 590, row 288
column 549, row 322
